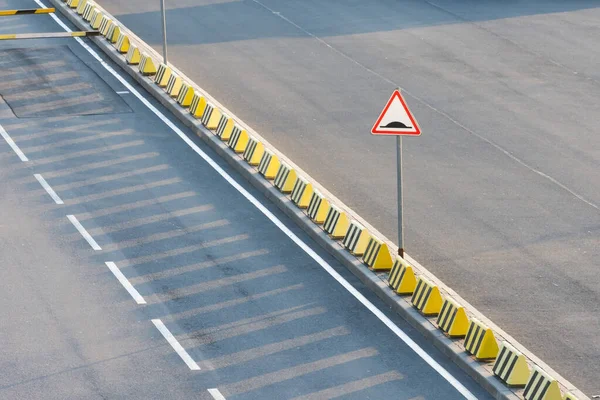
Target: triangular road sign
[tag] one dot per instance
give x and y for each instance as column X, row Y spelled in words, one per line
column 396, row 118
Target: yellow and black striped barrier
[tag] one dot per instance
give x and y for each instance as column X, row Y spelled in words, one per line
column 541, row 386
column 453, row 319
column 48, row 35
column 402, row 277
column 8, row 13
column 480, row 341
column 511, row 366
column 336, row 222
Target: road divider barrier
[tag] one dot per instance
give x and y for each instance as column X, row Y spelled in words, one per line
column 453, row 319
column 186, row 94
column 81, row 7
column 96, row 19
column 88, row 9
column 114, row 31
column 286, row 176
column 238, row 140
column 377, row 255
column 254, row 152
column 511, row 366
column 426, row 297
column 163, row 73
column 480, row 341
column 317, row 207
column 73, row 3
column 356, row 239
column 133, row 55
column 123, row 43
column 224, row 127
column 146, row 66
column 402, row 277
column 302, row 192
column 105, row 25
column 195, row 108
column 541, row 386
column 210, row 114
column 336, row 222
column 174, row 85
column 269, row 164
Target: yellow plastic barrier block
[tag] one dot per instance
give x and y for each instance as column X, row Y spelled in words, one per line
column 254, row 152
column 427, row 298
column 147, row 66
column 133, row 56
column 197, row 105
column 453, row 319
column 238, row 140
column 336, row 222
column 210, row 116
column 81, row 6
column 356, row 239
column 480, row 341
column 163, row 73
column 317, row 207
column 541, row 386
column 268, row 165
column 402, row 277
column 285, row 177
column 123, row 43
column 73, row 3
column 114, row 32
column 105, row 25
column 511, row 366
column 377, row 255
column 302, row 192
column 224, row 127
column 96, row 19
column 174, row 85
column 88, row 10
column 186, row 94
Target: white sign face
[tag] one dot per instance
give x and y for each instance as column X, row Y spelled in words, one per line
column 396, row 119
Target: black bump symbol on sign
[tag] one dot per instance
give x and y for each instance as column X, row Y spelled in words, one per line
column 397, row 125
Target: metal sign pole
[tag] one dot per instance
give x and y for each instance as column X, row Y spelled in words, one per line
column 400, row 198
column 164, row 29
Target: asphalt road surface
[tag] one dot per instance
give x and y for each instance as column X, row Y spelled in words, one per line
column 132, row 269
column 502, row 189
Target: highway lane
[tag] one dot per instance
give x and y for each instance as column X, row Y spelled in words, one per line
column 248, row 306
column 502, row 189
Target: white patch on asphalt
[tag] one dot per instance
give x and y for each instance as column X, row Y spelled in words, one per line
column 175, row 345
column 370, row 306
column 48, row 189
column 123, row 92
column 126, row 284
column 216, row 394
column 13, row 145
column 84, row 233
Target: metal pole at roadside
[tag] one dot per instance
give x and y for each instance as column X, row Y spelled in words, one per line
column 164, row 30
column 400, row 197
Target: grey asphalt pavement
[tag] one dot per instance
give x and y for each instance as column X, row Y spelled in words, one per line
column 502, row 193
column 259, row 316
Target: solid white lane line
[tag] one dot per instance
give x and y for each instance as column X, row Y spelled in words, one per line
column 126, row 284
column 175, row 345
column 49, row 190
column 13, row 145
column 370, row 306
column 84, row 233
column 216, row 394
column 123, row 92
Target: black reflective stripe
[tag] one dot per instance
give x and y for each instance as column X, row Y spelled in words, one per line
column 495, row 369
column 530, row 383
column 453, row 317
column 543, row 393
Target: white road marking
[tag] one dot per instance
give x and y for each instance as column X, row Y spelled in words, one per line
column 50, row 191
column 84, row 233
column 126, row 284
column 216, row 394
column 123, row 92
column 175, row 344
column 13, row 145
column 370, row 306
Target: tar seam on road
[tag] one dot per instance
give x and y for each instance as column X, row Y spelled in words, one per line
column 83, row 232
column 175, row 345
column 48, row 189
column 370, row 306
column 126, row 284
column 216, row 394
column 13, row 145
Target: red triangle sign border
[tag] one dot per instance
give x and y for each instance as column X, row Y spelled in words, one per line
column 377, row 130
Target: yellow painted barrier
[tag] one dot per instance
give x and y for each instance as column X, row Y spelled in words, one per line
column 123, row 43
column 210, row 116
column 336, row 222
column 402, row 277
column 302, row 192
column 163, row 73
column 146, row 66
column 377, row 255
column 133, row 55
column 113, row 33
column 285, row 177
column 356, row 239
column 453, row 319
column 541, row 386
column 480, row 341
column 73, row 3
column 88, row 10
column 317, row 207
column 427, row 298
column 81, row 7
column 186, row 94
column 224, row 127
column 105, row 25
column 254, row 152
column 238, row 140
column 174, row 85
column 269, row 164
column 96, row 19
column 511, row 366
column 197, row 105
